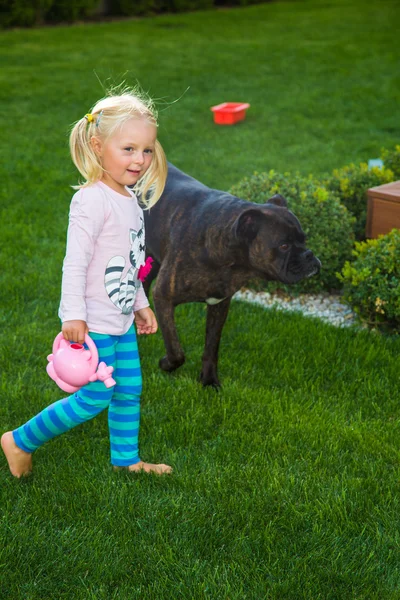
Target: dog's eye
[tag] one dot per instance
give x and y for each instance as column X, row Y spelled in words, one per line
column 284, row 247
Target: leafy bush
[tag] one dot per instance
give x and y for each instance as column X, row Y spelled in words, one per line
column 143, row 7
column 184, row 5
column 24, row 13
column 326, row 222
column 372, row 281
column 237, row 2
column 133, row 7
column 351, row 184
column 391, row 159
column 70, row 10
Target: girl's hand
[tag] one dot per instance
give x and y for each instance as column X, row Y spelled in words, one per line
column 74, row 331
column 146, row 321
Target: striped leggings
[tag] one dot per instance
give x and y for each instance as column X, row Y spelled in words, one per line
column 122, row 400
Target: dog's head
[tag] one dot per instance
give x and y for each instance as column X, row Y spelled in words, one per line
column 275, row 242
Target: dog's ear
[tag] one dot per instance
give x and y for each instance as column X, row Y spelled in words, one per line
column 247, row 224
column 278, row 200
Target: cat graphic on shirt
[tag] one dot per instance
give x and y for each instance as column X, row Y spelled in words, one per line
column 122, row 290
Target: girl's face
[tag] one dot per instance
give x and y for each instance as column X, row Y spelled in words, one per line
column 127, row 154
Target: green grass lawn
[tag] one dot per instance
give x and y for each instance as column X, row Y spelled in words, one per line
column 286, row 482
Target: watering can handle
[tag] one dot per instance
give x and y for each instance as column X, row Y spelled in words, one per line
column 94, row 359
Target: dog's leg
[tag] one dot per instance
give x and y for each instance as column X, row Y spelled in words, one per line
column 164, row 308
column 216, row 317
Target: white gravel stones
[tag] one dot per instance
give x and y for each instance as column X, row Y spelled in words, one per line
column 328, row 308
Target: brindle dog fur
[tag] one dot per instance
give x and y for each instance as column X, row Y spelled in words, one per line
column 207, row 244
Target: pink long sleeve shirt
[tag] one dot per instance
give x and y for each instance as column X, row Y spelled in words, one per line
column 105, row 248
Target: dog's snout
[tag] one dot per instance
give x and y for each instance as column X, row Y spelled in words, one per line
column 310, row 257
column 313, row 263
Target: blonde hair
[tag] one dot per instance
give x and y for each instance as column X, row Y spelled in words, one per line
column 106, row 116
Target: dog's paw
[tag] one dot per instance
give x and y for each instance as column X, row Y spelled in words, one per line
column 209, row 373
column 209, row 380
column 168, row 365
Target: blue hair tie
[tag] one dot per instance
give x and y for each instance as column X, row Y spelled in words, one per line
column 98, row 118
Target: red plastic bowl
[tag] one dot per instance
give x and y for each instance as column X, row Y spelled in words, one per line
column 229, row 113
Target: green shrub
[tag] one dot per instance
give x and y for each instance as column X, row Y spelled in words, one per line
column 70, row 10
column 134, row 7
column 391, row 159
column 143, row 7
column 326, row 222
column 23, row 13
column 372, row 280
column 238, row 2
column 184, row 5
column 351, row 184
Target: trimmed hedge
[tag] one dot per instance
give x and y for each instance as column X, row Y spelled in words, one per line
column 391, row 159
column 326, row 222
column 71, row 10
column 372, row 281
column 26, row 13
column 23, row 13
column 351, row 183
column 145, row 7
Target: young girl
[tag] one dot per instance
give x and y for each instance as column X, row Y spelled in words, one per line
column 113, row 147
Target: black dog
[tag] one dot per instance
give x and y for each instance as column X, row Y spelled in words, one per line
column 206, row 245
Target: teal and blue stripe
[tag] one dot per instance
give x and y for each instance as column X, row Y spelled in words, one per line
column 122, row 401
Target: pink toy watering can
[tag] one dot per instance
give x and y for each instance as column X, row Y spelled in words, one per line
column 72, row 366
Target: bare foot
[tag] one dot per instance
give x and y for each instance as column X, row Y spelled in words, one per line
column 147, row 468
column 20, row 462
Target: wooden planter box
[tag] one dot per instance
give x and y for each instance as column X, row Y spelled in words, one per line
column 383, row 212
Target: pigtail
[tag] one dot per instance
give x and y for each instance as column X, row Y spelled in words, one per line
column 151, row 186
column 84, row 157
